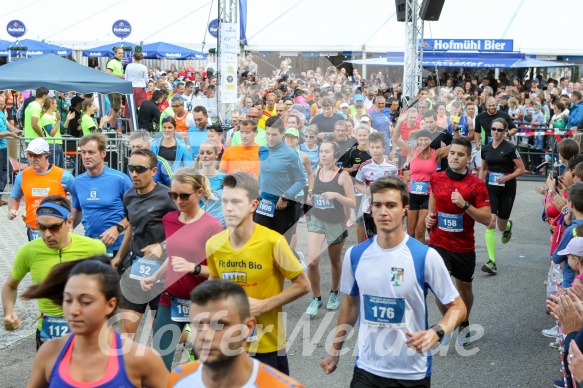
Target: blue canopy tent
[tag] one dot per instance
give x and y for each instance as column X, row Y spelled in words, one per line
column 160, row 50
column 34, row 48
column 56, row 73
column 470, row 60
column 106, row 50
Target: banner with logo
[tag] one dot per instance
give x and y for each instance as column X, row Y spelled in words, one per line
column 491, row 45
column 229, row 45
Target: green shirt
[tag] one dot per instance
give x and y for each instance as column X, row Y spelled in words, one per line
column 87, row 123
column 166, row 112
column 260, row 138
column 37, row 259
column 32, row 110
column 115, row 66
column 47, row 123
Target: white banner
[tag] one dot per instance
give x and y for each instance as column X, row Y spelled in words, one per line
column 228, row 64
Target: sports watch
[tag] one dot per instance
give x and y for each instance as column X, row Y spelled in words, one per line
column 466, row 206
column 119, row 228
column 438, row 330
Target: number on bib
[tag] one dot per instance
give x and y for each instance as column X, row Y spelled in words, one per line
column 492, row 178
column 322, row 203
column 143, row 268
column 383, row 311
column 450, row 222
column 179, row 309
column 266, row 208
column 53, row 327
column 421, row 188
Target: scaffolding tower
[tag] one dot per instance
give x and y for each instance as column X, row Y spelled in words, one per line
column 413, row 71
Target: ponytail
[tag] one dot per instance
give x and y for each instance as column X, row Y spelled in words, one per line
column 190, row 176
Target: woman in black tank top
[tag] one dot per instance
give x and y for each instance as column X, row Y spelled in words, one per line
column 332, row 197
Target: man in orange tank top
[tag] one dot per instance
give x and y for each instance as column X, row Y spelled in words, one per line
column 220, row 311
column 184, row 119
column 35, row 182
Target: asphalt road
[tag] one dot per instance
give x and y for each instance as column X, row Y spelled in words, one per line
column 509, row 307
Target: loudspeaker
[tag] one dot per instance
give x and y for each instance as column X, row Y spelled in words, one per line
column 400, row 6
column 431, row 9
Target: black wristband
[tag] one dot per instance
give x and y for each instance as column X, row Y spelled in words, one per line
column 197, row 269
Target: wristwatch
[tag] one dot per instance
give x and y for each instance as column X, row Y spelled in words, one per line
column 466, row 206
column 438, row 330
column 284, row 197
column 119, row 228
column 196, row 270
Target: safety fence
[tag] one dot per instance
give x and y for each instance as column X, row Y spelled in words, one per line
column 66, row 155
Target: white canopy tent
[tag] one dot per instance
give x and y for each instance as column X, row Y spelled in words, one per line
column 295, row 25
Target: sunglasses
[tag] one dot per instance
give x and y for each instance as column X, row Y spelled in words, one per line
column 182, row 196
column 54, row 228
column 310, row 136
column 496, row 129
column 138, row 169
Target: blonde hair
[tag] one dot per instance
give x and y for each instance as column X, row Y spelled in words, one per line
column 190, row 176
column 46, row 105
column 215, row 146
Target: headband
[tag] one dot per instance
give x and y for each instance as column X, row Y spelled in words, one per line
column 52, row 209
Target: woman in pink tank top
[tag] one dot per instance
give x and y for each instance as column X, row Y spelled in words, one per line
column 423, row 162
column 93, row 356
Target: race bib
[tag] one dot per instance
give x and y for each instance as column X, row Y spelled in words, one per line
column 179, row 309
column 492, row 176
column 450, row 222
column 237, row 277
column 253, row 337
column 386, row 312
column 143, row 268
column 34, row 234
column 42, row 192
column 322, row 203
column 421, row 188
column 53, row 327
column 266, row 208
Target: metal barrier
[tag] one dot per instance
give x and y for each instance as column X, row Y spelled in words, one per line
column 117, row 155
column 541, row 160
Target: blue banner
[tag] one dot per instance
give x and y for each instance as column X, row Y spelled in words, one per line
column 16, row 28
column 243, row 19
column 121, row 28
column 491, row 45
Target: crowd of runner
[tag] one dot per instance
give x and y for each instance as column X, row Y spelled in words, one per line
column 200, row 230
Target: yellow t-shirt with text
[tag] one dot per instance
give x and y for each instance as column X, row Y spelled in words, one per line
column 260, row 267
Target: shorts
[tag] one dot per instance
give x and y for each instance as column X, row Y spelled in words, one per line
column 501, row 200
column 334, row 232
column 135, row 299
column 277, row 360
column 460, row 265
column 418, row 202
column 362, row 378
column 369, row 226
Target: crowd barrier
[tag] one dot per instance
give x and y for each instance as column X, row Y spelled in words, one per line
column 117, row 155
column 539, row 162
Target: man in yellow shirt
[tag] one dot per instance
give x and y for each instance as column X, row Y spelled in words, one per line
column 260, row 260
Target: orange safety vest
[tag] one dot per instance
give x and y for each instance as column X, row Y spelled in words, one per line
column 181, row 123
column 37, row 186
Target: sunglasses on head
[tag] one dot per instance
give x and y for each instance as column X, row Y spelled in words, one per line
column 182, row 196
column 54, row 228
column 138, row 169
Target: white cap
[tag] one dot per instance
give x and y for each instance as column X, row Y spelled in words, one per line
column 344, row 105
column 38, row 146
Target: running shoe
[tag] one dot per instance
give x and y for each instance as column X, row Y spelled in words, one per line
column 490, row 267
column 332, row 301
column 559, row 383
column 464, row 334
column 312, row 309
column 555, row 344
column 552, row 332
column 507, row 234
